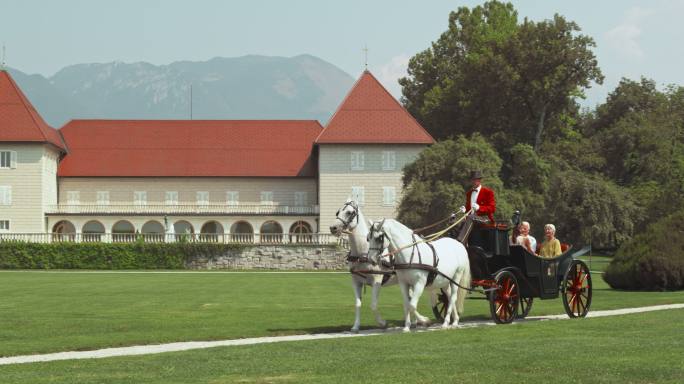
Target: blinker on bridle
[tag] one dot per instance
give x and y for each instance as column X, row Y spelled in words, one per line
column 354, row 215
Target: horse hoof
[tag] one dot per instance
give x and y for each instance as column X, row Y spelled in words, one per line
column 406, row 329
column 382, row 324
column 354, row 330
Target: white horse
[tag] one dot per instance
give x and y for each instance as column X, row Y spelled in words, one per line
column 412, row 261
column 350, row 219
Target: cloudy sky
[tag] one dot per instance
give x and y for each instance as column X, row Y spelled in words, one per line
column 634, row 38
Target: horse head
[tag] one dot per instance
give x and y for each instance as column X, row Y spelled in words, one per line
column 347, row 218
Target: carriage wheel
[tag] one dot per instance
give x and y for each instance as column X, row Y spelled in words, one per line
column 525, row 307
column 576, row 289
column 503, row 303
column 440, row 308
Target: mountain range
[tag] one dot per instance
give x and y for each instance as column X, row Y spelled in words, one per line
column 247, row 87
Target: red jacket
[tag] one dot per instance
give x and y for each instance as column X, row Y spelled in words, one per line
column 486, row 202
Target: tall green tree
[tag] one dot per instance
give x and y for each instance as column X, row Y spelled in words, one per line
column 490, row 74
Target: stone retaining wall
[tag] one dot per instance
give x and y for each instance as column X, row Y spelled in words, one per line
column 281, row 257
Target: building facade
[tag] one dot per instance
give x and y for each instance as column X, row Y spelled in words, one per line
column 218, row 180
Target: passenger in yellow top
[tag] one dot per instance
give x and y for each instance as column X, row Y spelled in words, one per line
column 551, row 247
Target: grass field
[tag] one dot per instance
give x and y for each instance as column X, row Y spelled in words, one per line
column 642, row 348
column 44, row 312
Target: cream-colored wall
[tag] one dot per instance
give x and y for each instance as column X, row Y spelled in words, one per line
column 121, row 189
column 197, row 221
column 50, row 162
column 30, row 187
column 336, row 178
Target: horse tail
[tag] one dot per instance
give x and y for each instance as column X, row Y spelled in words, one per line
column 463, row 289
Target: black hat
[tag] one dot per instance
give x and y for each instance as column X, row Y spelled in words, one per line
column 475, row 175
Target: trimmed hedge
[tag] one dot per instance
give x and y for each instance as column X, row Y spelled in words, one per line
column 653, row 260
column 22, row 255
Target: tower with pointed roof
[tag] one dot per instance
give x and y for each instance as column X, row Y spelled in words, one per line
column 363, row 149
column 30, row 151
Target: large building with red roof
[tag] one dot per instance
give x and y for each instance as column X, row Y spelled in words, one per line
column 219, row 180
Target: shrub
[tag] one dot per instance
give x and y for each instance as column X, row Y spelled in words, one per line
column 22, row 255
column 653, row 260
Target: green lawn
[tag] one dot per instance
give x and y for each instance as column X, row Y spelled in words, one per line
column 47, row 312
column 642, row 348
column 596, row 263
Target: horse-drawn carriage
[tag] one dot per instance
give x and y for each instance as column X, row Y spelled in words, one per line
column 512, row 277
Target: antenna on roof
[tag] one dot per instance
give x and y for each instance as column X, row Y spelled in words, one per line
column 190, row 101
column 2, row 63
column 365, row 52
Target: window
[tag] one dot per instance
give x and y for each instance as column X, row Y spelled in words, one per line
column 300, row 199
column 389, row 160
column 232, row 197
column 266, row 197
column 202, row 198
column 4, row 226
column 171, row 198
column 357, row 195
column 389, row 196
column 140, row 197
column 102, row 197
column 5, row 195
column 357, row 160
column 8, row 159
column 73, row 197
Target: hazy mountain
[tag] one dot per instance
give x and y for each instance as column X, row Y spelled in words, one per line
column 248, row 87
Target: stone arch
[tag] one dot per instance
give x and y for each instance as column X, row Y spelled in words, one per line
column 211, row 231
column 184, row 230
column 153, row 231
column 123, row 231
column 64, row 230
column 92, row 231
column 301, row 232
column 242, row 232
column 271, row 232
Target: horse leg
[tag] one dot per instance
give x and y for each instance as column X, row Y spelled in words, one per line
column 407, row 313
column 451, row 310
column 374, row 303
column 413, row 304
column 357, row 284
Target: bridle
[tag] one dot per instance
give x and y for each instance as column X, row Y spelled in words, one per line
column 354, row 215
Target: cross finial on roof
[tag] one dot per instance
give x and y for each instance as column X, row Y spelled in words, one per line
column 365, row 52
column 2, row 63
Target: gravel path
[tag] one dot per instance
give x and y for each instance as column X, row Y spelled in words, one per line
column 185, row 346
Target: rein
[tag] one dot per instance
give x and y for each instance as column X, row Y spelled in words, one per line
column 427, row 239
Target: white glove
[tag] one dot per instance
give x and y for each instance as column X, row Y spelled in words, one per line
column 462, row 209
column 476, row 207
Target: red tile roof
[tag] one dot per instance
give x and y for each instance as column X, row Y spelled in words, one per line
column 369, row 114
column 19, row 121
column 264, row 148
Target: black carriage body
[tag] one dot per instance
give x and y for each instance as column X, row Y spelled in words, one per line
column 490, row 253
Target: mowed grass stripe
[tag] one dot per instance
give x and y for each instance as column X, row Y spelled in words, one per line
column 639, row 348
column 43, row 313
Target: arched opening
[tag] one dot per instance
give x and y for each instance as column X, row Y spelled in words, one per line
column 92, row 231
column 63, row 230
column 300, row 232
column 184, row 231
column 271, row 232
column 123, row 232
column 211, row 231
column 242, row 232
column 153, row 231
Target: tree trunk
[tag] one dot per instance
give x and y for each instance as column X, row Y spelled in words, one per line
column 540, row 129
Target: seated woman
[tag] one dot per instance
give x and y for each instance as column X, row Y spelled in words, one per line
column 527, row 241
column 551, row 247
